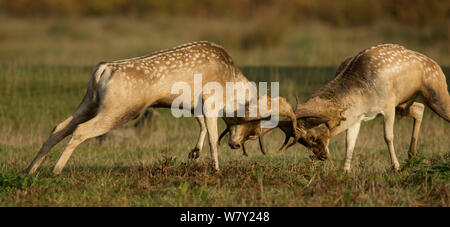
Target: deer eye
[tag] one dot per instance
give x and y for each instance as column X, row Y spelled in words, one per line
column 311, row 138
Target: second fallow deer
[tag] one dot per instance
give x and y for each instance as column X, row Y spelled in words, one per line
column 384, row 79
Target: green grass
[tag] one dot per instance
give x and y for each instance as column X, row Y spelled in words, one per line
column 152, row 170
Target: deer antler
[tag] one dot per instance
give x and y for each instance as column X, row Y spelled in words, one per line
column 223, row 134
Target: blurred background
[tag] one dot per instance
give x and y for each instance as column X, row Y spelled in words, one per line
column 255, row 32
column 48, row 49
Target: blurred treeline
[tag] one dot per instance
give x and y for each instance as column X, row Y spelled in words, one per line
column 342, row 13
column 254, row 32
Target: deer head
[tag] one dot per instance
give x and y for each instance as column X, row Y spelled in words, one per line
column 243, row 129
column 243, row 133
column 314, row 127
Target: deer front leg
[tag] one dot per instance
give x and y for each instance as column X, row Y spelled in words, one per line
column 195, row 153
column 352, row 135
column 211, row 126
column 389, row 118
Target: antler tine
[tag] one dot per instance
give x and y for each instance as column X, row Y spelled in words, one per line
column 286, row 140
column 296, row 99
column 297, row 102
column 223, row 134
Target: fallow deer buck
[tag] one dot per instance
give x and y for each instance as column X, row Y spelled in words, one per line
column 119, row 90
column 383, row 79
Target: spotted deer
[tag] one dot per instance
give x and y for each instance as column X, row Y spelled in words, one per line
column 383, row 79
column 119, row 90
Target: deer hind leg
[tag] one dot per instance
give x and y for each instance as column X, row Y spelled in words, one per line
column 389, row 118
column 106, row 120
column 195, row 153
column 145, row 120
column 85, row 111
column 414, row 111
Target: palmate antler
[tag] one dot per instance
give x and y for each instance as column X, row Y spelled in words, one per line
column 302, row 112
column 284, row 110
column 332, row 116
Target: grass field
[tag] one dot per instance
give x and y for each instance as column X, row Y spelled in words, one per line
column 152, row 170
column 256, row 42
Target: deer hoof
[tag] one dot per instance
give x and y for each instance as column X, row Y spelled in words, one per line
column 395, row 168
column 194, row 154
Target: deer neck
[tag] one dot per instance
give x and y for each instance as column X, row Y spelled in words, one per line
column 332, row 111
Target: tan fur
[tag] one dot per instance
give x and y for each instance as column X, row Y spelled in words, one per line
column 118, row 91
column 383, row 79
column 131, row 132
